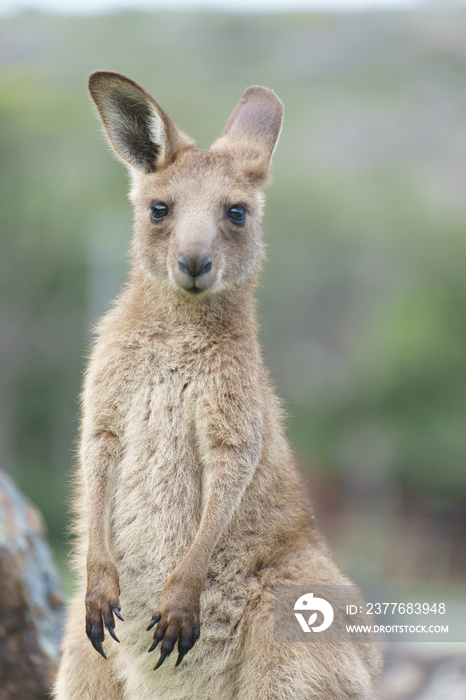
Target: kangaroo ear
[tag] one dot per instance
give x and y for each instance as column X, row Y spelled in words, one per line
column 252, row 132
column 138, row 130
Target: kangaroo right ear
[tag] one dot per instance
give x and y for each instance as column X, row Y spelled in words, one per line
column 139, row 131
column 252, row 132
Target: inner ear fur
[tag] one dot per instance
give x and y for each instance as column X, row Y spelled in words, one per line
column 138, row 130
column 252, row 132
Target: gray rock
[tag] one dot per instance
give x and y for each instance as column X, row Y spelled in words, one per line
column 31, row 600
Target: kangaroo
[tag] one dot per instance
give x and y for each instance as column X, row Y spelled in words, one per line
column 189, row 506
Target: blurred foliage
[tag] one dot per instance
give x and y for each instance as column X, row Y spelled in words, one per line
column 363, row 298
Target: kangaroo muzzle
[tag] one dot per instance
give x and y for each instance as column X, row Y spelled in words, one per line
column 194, row 271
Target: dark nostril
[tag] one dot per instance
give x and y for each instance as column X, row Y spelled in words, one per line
column 207, row 266
column 195, row 265
column 183, row 265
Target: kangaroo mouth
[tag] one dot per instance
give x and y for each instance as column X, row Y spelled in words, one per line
column 192, row 285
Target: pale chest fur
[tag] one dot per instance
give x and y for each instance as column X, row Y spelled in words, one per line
column 159, row 484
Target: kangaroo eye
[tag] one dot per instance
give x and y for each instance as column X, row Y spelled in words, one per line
column 158, row 211
column 237, row 214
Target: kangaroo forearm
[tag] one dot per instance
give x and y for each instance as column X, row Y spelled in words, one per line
column 228, row 474
column 99, row 455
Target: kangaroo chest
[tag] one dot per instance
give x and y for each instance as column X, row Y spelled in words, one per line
column 158, row 485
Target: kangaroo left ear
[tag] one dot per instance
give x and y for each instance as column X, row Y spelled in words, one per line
column 252, row 132
column 138, row 130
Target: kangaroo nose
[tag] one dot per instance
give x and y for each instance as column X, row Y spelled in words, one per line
column 195, row 265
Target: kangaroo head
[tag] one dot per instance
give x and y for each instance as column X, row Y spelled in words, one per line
column 197, row 214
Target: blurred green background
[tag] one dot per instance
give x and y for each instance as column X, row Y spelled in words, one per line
column 363, row 299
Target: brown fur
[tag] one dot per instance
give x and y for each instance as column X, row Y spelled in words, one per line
column 188, row 498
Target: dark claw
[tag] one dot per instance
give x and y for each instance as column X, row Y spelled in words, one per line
column 97, row 644
column 163, row 656
column 168, row 645
column 117, row 612
column 154, row 644
column 156, row 617
column 112, row 633
column 158, row 635
column 180, row 658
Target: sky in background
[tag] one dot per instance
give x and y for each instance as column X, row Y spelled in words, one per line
column 92, row 6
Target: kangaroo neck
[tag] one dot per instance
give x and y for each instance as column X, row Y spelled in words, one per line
column 229, row 312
